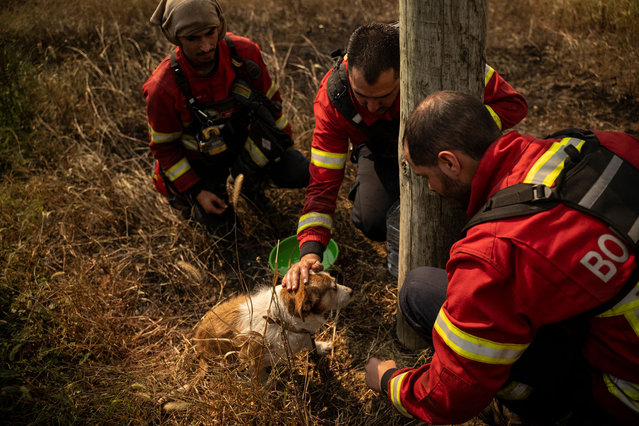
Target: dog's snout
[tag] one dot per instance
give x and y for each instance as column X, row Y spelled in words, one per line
column 344, row 295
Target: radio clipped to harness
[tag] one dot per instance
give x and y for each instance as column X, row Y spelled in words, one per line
column 209, row 139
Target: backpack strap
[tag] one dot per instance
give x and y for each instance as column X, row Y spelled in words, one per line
column 183, row 83
column 514, row 201
column 244, row 67
column 337, row 90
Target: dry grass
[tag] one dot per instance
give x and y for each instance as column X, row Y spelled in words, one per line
column 575, row 61
column 101, row 285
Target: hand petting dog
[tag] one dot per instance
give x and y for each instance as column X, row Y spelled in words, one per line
column 300, row 271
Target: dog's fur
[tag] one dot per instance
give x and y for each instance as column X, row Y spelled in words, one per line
column 261, row 328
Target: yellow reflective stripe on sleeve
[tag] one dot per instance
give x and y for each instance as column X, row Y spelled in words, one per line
column 628, row 307
column 629, row 303
column 625, row 391
column 271, row 90
column 157, row 137
column 255, row 153
column 551, row 163
column 281, row 122
column 178, row 169
column 488, row 74
column 328, row 160
column 633, row 320
column 515, row 391
column 314, row 219
column 494, row 115
column 476, row 348
column 189, row 142
column 395, row 388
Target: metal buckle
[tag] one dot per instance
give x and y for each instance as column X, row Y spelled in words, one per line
column 541, row 192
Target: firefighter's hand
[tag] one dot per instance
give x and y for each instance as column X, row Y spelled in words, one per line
column 375, row 369
column 300, row 271
column 210, row 202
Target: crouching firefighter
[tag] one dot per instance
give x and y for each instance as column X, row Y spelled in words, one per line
column 539, row 304
column 213, row 109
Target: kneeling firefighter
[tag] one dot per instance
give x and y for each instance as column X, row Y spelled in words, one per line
column 213, row 109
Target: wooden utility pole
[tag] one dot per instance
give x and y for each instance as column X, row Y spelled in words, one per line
column 442, row 48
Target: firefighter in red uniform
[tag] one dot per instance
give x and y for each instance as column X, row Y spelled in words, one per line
column 358, row 102
column 540, row 310
column 212, row 107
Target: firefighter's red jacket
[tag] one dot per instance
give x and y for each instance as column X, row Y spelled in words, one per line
column 333, row 132
column 508, row 278
column 169, row 118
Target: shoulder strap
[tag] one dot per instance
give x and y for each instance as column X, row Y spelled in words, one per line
column 337, row 90
column 572, row 132
column 182, row 81
column 183, row 84
column 518, row 200
column 243, row 67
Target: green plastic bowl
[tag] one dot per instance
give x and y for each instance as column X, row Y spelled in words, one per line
column 289, row 254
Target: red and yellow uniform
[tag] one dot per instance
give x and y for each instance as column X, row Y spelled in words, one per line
column 508, row 278
column 170, row 120
column 332, row 135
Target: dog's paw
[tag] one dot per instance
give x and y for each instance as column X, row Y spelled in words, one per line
column 323, row 348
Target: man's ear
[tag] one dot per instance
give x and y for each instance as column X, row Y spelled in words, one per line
column 449, row 163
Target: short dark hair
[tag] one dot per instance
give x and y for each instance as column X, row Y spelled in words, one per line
column 373, row 49
column 449, row 120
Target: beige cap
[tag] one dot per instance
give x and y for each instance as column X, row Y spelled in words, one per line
column 182, row 18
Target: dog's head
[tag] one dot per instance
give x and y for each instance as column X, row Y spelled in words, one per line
column 320, row 295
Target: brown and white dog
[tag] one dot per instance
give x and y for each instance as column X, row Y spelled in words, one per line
column 264, row 328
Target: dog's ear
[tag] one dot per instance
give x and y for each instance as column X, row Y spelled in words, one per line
column 305, row 300
column 301, row 300
column 294, row 300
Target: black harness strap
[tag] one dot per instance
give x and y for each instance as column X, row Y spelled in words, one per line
column 337, row 89
column 518, row 200
column 183, row 83
column 245, row 67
